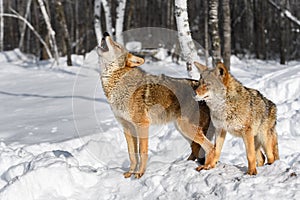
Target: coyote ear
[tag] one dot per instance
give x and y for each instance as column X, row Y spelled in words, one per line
column 134, row 61
column 200, row 67
column 222, row 71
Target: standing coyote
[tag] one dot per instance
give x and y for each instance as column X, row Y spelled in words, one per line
column 138, row 99
column 242, row 111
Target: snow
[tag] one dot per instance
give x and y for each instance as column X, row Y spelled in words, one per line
column 59, row 139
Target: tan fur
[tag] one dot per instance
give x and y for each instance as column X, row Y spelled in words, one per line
column 242, row 111
column 139, row 99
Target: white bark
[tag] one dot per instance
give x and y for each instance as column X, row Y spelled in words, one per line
column 97, row 21
column 184, row 33
column 17, row 16
column 50, row 30
column 214, row 30
column 24, row 24
column 1, row 25
column 120, row 21
column 107, row 16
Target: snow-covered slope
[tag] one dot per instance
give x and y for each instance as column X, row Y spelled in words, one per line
column 59, row 139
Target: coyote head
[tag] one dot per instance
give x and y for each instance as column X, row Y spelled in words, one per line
column 114, row 55
column 212, row 83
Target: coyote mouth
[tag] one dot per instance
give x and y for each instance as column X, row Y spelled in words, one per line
column 103, row 46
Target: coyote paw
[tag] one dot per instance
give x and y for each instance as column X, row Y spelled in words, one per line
column 252, row 171
column 127, row 174
column 203, row 167
column 138, row 175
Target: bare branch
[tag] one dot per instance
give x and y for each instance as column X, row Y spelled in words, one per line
column 18, row 16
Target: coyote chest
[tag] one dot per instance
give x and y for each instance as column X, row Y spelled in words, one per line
column 228, row 121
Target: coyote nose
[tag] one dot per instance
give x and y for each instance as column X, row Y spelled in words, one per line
column 105, row 34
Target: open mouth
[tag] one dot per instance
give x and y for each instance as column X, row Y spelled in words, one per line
column 103, row 46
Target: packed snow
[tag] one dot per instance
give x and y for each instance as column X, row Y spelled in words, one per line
column 59, row 139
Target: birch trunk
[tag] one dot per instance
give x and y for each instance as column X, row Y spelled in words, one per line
column 214, row 31
column 206, row 32
column 1, row 25
column 108, row 20
column 120, row 21
column 97, row 20
column 187, row 45
column 227, row 33
column 17, row 16
column 50, row 30
column 23, row 30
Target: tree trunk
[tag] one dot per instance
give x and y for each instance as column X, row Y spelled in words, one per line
column 97, row 20
column 108, row 20
column 227, row 33
column 187, row 45
column 259, row 29
column 206, row 32
column 120, row 20
column 51, row 32
column 282, row 34
column 23, row 30
column 1, row 26
column 214, row 31
column 62, row 20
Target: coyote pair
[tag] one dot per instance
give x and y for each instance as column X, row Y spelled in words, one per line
column 139, row 99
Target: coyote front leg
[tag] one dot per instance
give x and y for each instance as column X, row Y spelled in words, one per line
column 132, row 151
column 248, row 138
column 142, row 132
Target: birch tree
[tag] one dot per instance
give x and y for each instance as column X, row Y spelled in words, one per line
column 184, row 33
column 50, row 30
column 108, row 21
column 206, row 32
column 120, row 20
column 1, row 25
column 214, row 30
column 23, row 30
column 97, row 20
column 227, row 32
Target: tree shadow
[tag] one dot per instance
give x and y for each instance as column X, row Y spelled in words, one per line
column 53, row 97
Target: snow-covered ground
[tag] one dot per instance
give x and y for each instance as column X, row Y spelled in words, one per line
column 59, row 139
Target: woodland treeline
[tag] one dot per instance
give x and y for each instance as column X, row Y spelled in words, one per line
column 259, row 28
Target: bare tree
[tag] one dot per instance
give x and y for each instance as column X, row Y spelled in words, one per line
column 18, row 16
column 1, row 25
column 206, row 32
column 214, row 30
column 184, row 33
column 227, row 33
column 108, row 20
column 51, row 32
column 120, row 20
column 24, row 25
column 97, row 20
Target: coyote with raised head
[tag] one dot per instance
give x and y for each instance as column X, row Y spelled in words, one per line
column 139, row 99
column 242, row 111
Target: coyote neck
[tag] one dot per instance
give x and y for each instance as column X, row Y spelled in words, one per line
column 223, row 110
column 111, row 78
